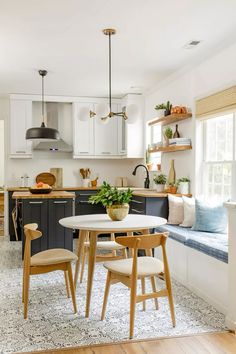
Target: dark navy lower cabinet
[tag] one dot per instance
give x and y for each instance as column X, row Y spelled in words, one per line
column 47, row 213
column 149, row 206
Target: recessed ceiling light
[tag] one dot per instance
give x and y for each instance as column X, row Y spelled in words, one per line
column 192, row 44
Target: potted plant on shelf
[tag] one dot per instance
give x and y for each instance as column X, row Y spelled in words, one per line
column 183, row 185
column 160, row 108
column 168, row 134
column 172, row 188
column 116, row 201
column 168, row 107
column 160, row 181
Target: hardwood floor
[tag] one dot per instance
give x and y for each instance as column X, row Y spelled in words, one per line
column 210, row 343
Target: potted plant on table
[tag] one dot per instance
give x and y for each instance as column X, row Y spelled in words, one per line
column 183, row 185
column 116, row 201
column 160, row 181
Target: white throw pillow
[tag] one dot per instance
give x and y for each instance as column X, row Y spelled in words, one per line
column 189, row 212
column 176, row 210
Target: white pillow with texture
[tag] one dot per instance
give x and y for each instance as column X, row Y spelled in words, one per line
column 189, row 212
column 176, row 210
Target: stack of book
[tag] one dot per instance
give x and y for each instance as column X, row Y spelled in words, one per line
column 180, row 142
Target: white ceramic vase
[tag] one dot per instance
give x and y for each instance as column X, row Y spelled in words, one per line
column 183, row 188
column 160, row 113
column 85, row 182
column 160, row 188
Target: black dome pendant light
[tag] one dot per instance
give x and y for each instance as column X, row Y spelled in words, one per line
column 43, row 132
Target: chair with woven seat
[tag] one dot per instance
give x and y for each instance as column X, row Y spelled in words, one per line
column 45, row 262
column 128, row 271
column 109, row 245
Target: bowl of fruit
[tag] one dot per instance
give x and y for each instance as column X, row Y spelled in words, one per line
column 40, row 188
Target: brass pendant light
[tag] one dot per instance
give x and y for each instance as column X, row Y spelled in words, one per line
column 42, row 133
column 110, row 32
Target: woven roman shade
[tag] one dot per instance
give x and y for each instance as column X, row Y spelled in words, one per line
column 223, row 101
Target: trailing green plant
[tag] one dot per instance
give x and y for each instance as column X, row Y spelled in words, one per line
column 183, row 179
column 168, row 132
column 160, row 179
column 160, row 106
column 108, row 196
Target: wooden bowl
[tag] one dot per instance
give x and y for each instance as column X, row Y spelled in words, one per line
column 40, row 190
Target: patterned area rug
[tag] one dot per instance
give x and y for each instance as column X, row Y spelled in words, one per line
column 52, row 324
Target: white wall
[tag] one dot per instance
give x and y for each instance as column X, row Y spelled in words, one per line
column 212, row 75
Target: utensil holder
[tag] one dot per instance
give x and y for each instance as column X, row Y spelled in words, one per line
column 85, row 182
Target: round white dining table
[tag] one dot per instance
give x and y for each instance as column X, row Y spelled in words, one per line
column 96, row 224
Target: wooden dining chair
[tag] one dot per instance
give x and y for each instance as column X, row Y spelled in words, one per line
column 110, row 247
column 45, row 262
column 128, row 271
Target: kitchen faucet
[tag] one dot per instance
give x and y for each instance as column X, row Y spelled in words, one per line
column 147, row 179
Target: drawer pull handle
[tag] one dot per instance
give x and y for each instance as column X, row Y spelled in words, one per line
column 137, row 211
column 60, row 202
column 136, row 201
column 85, row 194
column 84, row 202
column 106, row 153
column 83, row 152
column 20, row 152
column 35, row 202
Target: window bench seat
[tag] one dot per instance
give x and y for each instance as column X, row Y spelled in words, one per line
column 199, row 260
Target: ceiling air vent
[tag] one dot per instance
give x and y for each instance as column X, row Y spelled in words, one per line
column 192, row 44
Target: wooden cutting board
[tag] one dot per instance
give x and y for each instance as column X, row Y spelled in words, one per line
column 46, row 177
column 58, row 173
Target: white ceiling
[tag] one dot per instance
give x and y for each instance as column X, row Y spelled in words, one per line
column 64, row 37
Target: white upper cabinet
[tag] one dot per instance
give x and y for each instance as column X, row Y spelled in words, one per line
column 132, row 136
column 21, row 120
column 83, row 129
column 106, row 135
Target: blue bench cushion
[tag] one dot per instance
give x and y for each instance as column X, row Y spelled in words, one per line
column 178, row 233
column 212, row 244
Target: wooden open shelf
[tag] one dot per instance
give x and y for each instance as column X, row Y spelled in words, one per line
column 172, row 118
column 171, row 148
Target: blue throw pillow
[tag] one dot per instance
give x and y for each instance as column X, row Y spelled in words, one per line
column 210, row 218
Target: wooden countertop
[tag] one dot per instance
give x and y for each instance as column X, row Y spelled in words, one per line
column 53, row 195
column 153, row 194
column 18, row 189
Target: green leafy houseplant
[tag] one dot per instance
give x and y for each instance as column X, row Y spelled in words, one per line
column 183, row 185
column 160, row 179
column 116, row 201
column 168, row 133
column 183, row 180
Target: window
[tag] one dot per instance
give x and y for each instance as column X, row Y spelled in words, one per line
column 219, row 157
column 155, row 137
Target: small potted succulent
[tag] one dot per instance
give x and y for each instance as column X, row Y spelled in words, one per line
column 160, row 108
column 160, row 181
column 183, row 185
column 116, row 201
column 168, row 134
column 172, row 188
